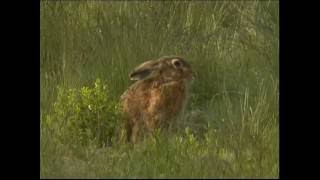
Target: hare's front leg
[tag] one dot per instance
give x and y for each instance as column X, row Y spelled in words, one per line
column 153, row 123
column 134, row 133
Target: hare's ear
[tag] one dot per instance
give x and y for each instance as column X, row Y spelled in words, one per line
column 140, row 74
column 144, row 71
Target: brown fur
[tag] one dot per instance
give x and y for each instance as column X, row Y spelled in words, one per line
column 158, row 95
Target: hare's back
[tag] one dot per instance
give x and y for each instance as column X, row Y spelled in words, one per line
column 136, row 96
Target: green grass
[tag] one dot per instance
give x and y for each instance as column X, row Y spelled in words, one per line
column 231, row 126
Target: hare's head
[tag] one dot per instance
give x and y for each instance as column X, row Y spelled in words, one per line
column 170, row 68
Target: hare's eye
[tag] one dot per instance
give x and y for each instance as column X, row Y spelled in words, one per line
column 176, row 63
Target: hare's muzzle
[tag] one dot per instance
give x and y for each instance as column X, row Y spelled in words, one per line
column 192, row 75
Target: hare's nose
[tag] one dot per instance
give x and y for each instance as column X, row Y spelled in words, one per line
column 193, row 75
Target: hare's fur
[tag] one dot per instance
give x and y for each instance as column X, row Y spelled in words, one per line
column 158, row 95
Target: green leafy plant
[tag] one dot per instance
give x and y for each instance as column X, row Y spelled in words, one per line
column 86, row 115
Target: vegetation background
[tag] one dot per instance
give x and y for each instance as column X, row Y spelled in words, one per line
column 231, row 126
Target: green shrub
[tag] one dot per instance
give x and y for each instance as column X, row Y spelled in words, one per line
column 86, row 115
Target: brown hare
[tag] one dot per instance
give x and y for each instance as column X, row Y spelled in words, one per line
column 158, row 95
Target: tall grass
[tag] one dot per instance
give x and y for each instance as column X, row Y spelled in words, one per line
column 230, row 128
